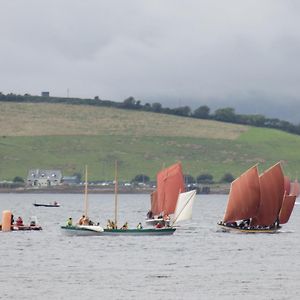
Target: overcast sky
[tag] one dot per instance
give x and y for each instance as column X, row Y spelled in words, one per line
column 242, row 53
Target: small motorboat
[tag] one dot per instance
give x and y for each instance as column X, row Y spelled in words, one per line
column 33, row 225
column 54, row 204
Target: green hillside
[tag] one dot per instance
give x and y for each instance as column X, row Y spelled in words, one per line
column 67, row 137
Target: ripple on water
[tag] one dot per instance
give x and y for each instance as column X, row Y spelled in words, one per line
column 197, row 262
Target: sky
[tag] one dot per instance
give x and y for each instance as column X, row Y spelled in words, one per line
column 233, row 53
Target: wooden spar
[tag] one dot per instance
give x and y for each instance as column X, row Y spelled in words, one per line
column 116, row 194
column 85, row 193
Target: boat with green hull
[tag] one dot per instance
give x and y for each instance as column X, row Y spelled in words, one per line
column 112, row 229
column 91, row 231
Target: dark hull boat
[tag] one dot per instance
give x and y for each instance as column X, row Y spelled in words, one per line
column 258, row 203
column 26, row 227
column 47, row 205
column 227, row 228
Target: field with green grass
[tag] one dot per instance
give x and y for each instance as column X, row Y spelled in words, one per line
column 66, row 137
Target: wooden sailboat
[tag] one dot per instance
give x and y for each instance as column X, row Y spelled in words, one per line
column 87, row 228
column 132, row 231
column 170, row 183
column 54, row 204
column 258, row 203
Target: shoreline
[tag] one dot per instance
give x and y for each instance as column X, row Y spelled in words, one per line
column 97, row 190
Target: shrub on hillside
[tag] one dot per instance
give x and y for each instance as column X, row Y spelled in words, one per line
column 18, row 179
column 227, row 178
column 205, row 178
column 141, row 178
column 188, row 179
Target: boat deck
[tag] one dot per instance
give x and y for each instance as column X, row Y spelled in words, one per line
column 76, row 230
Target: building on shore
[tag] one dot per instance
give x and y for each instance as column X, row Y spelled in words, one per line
column 43, row 178
column 70, row 180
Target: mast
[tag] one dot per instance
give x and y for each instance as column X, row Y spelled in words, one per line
column 85, row 193
column 116, row 193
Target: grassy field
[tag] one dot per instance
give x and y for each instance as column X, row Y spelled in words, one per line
column 69, row 136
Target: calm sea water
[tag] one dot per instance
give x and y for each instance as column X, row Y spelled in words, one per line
column 197, row 262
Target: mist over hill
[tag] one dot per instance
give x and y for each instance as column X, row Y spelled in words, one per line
column 240, row 54
column 280, row 107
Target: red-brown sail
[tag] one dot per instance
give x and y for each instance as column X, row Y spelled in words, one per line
column 170, row 183
column 154, row 203
column 286, row 208
column 244, row 196
column 271, row 196
column 287, row 185
column 295, row 188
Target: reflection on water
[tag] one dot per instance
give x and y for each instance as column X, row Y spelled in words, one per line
column 198, row 262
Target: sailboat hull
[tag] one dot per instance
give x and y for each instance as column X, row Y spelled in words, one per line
column 140, row 232
column 252, row 230
column 46, row 205
column 80, row 231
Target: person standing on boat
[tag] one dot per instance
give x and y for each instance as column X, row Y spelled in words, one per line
column 113, row 225
column 150, row 215
column 19, row 221
column 81, row 220
column 159, row 225
column 139, row 226
column 125, row 226
column 86, row 221
column 69, row 222
column 109, row 225
column 167, row 220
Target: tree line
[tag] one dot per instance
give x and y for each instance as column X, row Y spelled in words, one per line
column 226, row 114
column 204, row 178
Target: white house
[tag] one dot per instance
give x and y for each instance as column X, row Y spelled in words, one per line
column 44, row 178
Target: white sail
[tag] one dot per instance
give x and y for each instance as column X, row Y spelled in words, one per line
column 184, row 206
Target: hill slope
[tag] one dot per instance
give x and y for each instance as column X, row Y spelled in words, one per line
column 69, row 136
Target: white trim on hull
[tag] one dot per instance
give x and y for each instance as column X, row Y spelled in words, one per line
column 82, row 230
column 140, row 232
column 77, row 231
column 155, row 221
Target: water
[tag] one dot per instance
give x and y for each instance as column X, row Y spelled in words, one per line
column 197, row 262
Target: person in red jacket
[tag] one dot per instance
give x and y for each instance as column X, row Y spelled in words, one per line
column 19, row 221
